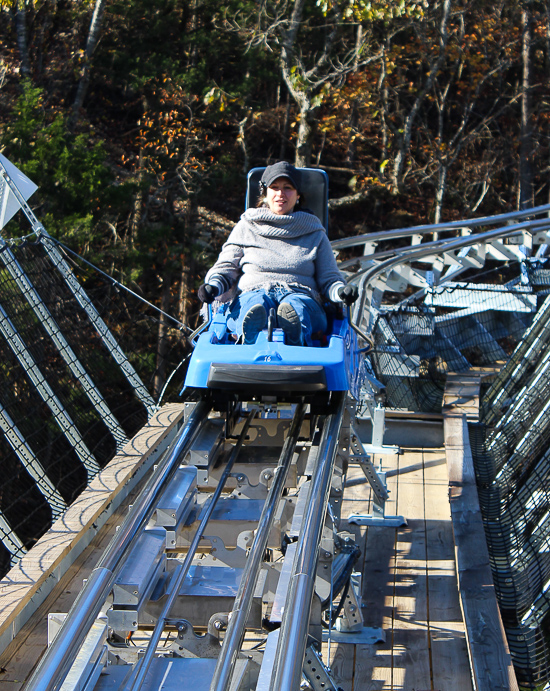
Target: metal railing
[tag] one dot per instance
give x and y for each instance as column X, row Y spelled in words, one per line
column 366, row 277
column 291, row 645
column 56, row 662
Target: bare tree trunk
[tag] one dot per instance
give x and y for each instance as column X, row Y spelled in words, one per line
column 137, row 211
column 193, row 53
column 383, row 88
column 286, row 128
column 353, row 122
column 304, row 140
column 241, row 140
column 185, row 297
column 410, row 120
column 526, row 134
column 358, row 44
column 91, row 43
column 287, row 56
column 162, row 341
column 307, row 84
column 187, row 263
column 21, row 29
column 440, row 192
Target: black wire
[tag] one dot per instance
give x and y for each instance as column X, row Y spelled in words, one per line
column 119, row 285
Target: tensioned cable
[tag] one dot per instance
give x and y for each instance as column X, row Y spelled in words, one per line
column 118, row 284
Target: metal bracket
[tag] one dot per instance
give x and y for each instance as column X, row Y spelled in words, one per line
column 351, row 619
column 316, row 672
column 349, row 626
column 377, row 415
column 373, row 520
column 367, row 636
column 190, row 644
column 377, row 481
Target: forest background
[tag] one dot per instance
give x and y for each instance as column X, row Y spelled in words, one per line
column 139, row 119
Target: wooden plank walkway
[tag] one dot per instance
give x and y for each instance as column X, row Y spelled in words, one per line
column 410, row 587
column 489, row 652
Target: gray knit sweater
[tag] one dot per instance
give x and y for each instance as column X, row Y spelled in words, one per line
column 265, row 250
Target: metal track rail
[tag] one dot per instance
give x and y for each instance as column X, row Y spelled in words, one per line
column 54, row 666
column 241, row 608
column 430, row 249
column 183, row 570
column 193, row 611
column 291, row 647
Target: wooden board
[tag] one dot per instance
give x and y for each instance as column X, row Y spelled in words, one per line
column 373, row 663
column 411, row 657
column 29, row 583
column 491, row 662
column 357, row 497
column 410, row 586
column 20, row 657
column 449, row 653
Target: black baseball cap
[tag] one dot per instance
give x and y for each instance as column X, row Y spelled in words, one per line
column 282, row 169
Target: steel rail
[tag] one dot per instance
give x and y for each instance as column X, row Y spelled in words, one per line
column 396, row 233
column 241, row 609
column 437, row 247
column 515, row 368
column 56, row 662
column 291, row 646
column 183, row 569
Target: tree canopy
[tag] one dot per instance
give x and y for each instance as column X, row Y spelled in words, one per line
column 139, row 119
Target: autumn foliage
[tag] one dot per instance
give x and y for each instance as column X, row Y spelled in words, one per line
column 419, row 111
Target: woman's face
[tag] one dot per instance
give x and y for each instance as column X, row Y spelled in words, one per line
column 281, row 196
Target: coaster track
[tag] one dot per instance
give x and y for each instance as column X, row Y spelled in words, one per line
column 228, row 563
column 229, row 559
column 157, row 595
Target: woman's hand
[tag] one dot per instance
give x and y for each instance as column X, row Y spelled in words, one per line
column 349, row 293
column 208, row 293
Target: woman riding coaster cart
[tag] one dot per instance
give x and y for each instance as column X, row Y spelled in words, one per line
column 278, row 257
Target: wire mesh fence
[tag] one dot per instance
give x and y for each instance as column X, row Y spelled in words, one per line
column 449, row 329
column 516, row 514
column 69, row 394
column 510, row 448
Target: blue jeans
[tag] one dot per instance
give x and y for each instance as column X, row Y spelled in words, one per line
column 311, row 314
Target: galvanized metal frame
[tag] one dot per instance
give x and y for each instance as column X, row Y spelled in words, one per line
column 80, row 295
column 66, row 352
column 63, row 419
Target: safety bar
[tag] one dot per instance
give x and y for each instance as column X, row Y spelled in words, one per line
column 197, row 332
column 358, row 331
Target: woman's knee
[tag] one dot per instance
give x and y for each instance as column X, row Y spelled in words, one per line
column 311, row 314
